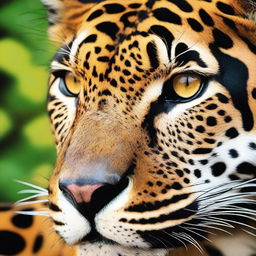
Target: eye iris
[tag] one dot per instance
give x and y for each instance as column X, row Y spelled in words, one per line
column 186, row 86
column 72, row 85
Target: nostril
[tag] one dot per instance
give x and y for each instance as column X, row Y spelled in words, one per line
column 79, row 193
column 69, row 196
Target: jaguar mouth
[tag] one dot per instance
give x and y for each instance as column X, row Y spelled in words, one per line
column 100, row 198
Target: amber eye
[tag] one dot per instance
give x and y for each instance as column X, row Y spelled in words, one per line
column 68, row 84
column 187, row 85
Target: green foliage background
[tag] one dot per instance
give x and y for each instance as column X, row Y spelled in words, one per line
column 26, row 144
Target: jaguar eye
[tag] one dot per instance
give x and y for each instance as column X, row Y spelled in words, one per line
column 187, row 85
column 183, row 87
column 68, row 85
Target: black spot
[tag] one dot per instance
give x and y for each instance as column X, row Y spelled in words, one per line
column 22, row 220
column 95, row 15
column 176, row 186
column 54, row 207
column 246, row 168
column 197, row 173
column 211, row 106
column 254, row 93
column 222, row 98
column 210, row 141
column 183, row 5
column 89, row 39
column 199, row 118
column 125, row 18
column 218, row 169
column 227, row 9
column 4, row 208
column 134, row 6
column 38, row 243
column 152, row 54
column 211, row 121
column 114, row 8
column 164, row 34
column 233, row 153
column 202, row 151
column 227, row 119
column 232, row 133
column 195, row 25
column 97, row 50
column 221, row 39
column 221, row 112
column 204, row 161
column 179, row 173
column 212, row 251
column 11, row 243
column 103, row 59
column 164, row 14
column 109, row 28
column 252, row 145
column 206, row 18
column 200, row 129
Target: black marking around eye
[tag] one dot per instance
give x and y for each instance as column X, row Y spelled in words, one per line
column 16, row 241
column 108, row 28
column 164, row 14
column 156, row 108
column 183, row 56
column 233, row 75
column 164, row 34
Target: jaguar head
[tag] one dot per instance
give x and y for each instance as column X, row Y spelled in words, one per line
column 152, row 105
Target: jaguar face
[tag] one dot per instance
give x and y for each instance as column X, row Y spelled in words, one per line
column 152, row 104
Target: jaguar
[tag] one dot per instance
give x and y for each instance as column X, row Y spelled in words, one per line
column 152, row 104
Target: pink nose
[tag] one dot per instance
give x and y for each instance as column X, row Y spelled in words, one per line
column 83, row 194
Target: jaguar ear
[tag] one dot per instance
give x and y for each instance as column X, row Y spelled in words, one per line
column 64, row 16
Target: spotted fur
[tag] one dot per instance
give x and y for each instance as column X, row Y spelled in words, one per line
column 170, row 171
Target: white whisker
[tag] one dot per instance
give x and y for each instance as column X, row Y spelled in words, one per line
column 32, row 202
column 39, row 213
column 32, row 185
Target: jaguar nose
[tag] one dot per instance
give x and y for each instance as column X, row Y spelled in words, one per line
column 90, row 196
column 80, row 193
